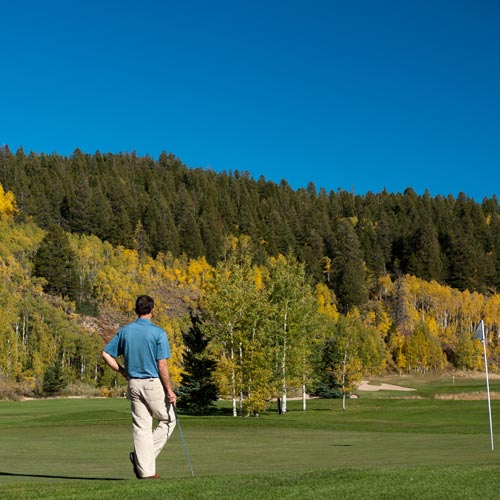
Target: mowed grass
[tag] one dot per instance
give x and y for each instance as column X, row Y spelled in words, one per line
column 382, row 447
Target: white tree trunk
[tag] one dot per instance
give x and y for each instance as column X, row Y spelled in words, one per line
column 303, row 397
column 233, row 392
column 283, row 368
column 283, row 398
column 283, row 381
column 82, row 368
column 344, row 369
column 233, row 374
column 241, row 379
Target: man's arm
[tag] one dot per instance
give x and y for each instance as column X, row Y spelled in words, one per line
column 165, row 380
column 113, row 364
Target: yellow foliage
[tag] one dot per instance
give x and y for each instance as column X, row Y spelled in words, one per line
column 492, row 312
column 386, row 284
column 199, row 271
column 326, row 301
column 7, row 204
column 397, row 347
column 370, row 318
column 259, row 276
column 432, row 325
column 174, row 332
column 354, row 313
column 384, row 323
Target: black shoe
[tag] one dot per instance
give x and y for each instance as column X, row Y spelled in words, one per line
column 134, row 464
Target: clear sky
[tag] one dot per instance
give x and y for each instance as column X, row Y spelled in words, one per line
column 349, row 94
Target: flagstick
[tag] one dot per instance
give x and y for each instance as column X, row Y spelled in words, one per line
column 480, row 334
column 488, row 387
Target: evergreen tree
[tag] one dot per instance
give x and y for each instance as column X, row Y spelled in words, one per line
column 373, row 254
column 425, row 260
column 349, row 276
column 55, row 261
column 54, row 380
column 495, row 257
column 198, row 392
column 100, row 214
column 186, row 220
column 248, row 203
column 211, row 226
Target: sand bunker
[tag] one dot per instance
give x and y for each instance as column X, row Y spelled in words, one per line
column 365, row 386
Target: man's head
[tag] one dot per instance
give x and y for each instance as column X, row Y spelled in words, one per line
column 144, row 305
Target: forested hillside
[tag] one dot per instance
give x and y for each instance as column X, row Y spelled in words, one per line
column 293, row 290
column 163, row 206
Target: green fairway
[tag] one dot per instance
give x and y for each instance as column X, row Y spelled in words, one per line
column 381, row 447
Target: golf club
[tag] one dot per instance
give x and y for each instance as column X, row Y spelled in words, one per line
column 183, row 441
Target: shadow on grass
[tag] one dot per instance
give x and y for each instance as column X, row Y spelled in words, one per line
column 210, row 412
column 47, row 476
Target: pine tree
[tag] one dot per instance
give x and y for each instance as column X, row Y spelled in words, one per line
column 187, row 224
column 53, row 380
column 55, row 261
column 349, row 276
column 198, row 392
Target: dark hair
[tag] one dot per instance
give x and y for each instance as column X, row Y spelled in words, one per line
column 144, row 305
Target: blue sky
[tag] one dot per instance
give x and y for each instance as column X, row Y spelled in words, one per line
column 358, row 95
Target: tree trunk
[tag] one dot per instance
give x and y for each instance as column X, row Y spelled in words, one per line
column 241, row 379
column 344, row 369
column 283, row 406
column 283, row 367
column 233, row 374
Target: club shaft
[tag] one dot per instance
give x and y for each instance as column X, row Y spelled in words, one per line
column 183, row 442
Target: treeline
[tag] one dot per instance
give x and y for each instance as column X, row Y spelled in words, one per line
column 267, row 329
column 285, row 290
column 347, row 241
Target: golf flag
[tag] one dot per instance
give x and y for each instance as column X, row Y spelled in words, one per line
column 479, row 334
column 480, row 331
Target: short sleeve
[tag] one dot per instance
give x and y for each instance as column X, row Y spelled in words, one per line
column 163, row 347
column 113, row 347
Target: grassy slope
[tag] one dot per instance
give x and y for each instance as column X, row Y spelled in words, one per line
column 379, row 448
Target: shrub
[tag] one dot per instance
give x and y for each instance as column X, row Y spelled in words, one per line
column 14, row 390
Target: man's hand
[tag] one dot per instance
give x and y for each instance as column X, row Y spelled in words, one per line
column 122, row 372
column 165, row 380
column 172, row 397
column 112, row 363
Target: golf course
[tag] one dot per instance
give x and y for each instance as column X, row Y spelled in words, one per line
column 430, row 443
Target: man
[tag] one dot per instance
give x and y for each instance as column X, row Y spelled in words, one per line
column 145, row 350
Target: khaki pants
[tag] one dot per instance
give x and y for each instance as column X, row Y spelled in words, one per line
column 148, row 401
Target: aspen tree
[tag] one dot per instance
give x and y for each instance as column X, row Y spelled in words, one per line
column 7, row 204
column 235, row 306
column 294, row 324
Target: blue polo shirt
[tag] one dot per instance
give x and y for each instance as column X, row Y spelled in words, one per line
column 142, row 344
